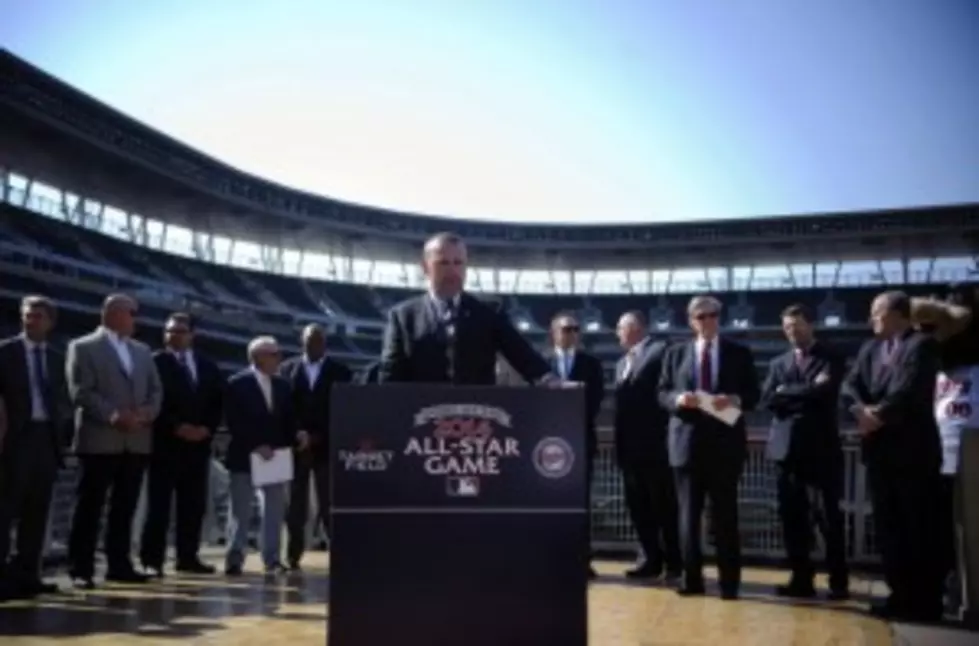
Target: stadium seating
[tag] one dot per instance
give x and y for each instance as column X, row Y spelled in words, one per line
column 78, row 267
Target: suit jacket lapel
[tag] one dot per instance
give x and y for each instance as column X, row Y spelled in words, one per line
column 687, row 372
column 109, row 348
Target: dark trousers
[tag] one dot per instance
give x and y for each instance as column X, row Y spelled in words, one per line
column 650, row 496
column 119, row 478
column 715, row 478
column 179, row 476
column 298, row 514
column 799, row 484
column 905, row 517
column 28, row 470
column 945, row 524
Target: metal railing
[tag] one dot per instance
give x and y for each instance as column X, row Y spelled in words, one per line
column 611, row 528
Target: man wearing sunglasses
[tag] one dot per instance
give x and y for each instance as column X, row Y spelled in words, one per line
column 700, row 381
column 572, row 364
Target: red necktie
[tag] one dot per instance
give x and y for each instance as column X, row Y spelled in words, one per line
column 705, row 368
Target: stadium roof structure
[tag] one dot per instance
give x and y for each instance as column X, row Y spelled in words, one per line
column 55, row 133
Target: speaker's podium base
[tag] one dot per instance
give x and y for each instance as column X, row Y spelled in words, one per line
column 422, row 556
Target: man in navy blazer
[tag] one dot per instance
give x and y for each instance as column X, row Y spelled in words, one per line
column 260, row 418
column 707, row 454
column 890, row 389
column 802, row 391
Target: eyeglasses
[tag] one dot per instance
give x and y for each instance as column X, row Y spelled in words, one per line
column 569, row 328
column 705, row 316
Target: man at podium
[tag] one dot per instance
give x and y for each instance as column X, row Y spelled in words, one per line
column 449, row 336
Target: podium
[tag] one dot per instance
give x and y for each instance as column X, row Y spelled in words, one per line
column 459, row 516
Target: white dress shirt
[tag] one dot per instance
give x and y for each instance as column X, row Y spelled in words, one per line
column 565, row 362
column 187, row 359
column 265, row 385
column 121, row 346
column 39, row 412
column 313, row 370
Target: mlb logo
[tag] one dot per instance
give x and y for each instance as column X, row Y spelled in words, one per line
column 462, row 486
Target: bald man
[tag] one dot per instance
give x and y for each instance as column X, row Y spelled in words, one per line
column 312, row 375
column 116, row 393
column 448, row 336
column 890, row 390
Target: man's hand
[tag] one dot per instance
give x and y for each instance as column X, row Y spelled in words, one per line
column 186, row 432
column 144, row 416
column 867, row 420
column 124, row 420
column 821, row 378
column 688, row 400
column 302, row 440
column 265, row 451
column 203, row 433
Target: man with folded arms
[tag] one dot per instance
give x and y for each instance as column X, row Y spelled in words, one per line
column 802, row 391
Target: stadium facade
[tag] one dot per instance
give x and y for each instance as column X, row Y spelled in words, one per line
column 93, row 201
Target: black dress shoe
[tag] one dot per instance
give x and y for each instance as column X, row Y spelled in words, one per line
column 796, row 591
column 592, row 574
column 294, row 566
column 729, row 594
column 644, row 571
column 233, row 570
column 838, row 594
column 126, row 576
column 691, row 589
column 195, row 567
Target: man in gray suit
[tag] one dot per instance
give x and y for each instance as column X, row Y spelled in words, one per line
column 116, row 392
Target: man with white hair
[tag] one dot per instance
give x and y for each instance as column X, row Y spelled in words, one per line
column 447, row 335
column 700, row 379
column 260, row 418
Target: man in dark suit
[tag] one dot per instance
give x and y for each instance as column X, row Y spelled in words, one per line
column 35, row 398
column 640, row 448
column 448, row 336
column 890, row 390
column 802, row 391
column 260, row 419
column 701, row 379
column 180, row 463
column 572, row 364
column 312, row 375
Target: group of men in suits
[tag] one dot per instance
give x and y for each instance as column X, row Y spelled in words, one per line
column 126, row 413
column 130, row 410
column 678, row 449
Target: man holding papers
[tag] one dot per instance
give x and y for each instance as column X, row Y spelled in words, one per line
column 705, row 385
column 262, row 425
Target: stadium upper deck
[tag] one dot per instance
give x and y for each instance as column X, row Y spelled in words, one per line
column 59, row 143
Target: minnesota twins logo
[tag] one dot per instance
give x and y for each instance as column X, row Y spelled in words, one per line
column 553, row 457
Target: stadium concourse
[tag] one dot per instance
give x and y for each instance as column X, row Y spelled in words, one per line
column 93, row 202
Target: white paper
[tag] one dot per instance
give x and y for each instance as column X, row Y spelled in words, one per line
column 729, row 415
column 278, row 470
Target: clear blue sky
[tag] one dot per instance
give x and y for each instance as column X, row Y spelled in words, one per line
column 546, row 110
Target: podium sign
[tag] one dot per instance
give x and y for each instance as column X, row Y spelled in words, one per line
column 458, row 516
